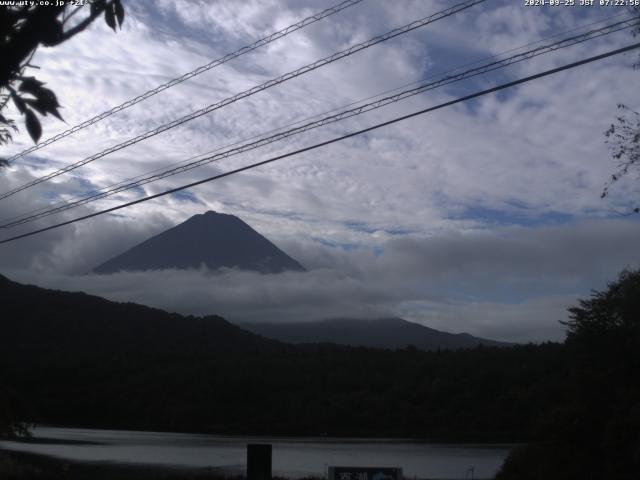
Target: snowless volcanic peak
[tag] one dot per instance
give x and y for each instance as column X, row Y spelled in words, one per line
column 216, row 240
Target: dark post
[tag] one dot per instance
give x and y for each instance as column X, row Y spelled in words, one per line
column 258, row 461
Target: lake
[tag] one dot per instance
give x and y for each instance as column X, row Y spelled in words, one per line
column 292, row 456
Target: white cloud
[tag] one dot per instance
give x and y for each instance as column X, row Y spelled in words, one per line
column 514, row 284
column 451, row 180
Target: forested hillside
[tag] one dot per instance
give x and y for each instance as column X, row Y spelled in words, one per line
column 73, row 359
column 81, row 360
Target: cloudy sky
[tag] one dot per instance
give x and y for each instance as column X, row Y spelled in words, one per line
column 484, row 217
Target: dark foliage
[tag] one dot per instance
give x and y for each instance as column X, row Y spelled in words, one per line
column 11, row 411
column 24, row 28
column 623, row 136
column 596, row 433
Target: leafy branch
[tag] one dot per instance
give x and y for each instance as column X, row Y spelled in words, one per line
column 28, row 27
column 623, row 137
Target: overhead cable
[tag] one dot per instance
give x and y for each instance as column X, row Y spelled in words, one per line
column 331, row 141
column 183, row 167
column 270, row 83
column 201, row 69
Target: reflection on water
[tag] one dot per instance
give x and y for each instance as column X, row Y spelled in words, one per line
column 292, row 457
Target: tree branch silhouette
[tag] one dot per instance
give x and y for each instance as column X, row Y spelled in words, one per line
column 27, row 28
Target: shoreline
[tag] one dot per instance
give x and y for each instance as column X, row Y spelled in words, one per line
column 23, row 465
column 355, row 438
column 16, row 465
column 42, row 463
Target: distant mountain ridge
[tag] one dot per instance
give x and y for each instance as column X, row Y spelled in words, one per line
column 212, row 239
column 38, row 321
column 389, row 333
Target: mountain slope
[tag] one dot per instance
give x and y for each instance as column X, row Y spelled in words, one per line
column 391, row 333
column 212, row 239
column 78, row 360
column 38, row 322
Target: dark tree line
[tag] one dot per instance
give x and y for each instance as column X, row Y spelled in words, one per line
column 596, row 432
column 623, row 137
column 485, row 394
column 80, row 360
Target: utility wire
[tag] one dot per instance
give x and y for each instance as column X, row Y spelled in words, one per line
column 114, row 188
column 201, row 69
column 124, row 186
column 356, row 102
column 270, row 83
column 334, row 140
column 395, row 89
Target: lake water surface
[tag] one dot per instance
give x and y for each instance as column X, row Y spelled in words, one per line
column 292, row 456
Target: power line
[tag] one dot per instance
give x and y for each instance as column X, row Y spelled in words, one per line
column 132, row 183
column 124, row 186
column 403, row 95
column 496, row 56
column 334, row 140
column 273, row 82
column 246, row 139
column 201, row 69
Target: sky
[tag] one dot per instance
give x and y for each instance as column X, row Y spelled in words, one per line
column 484, row 217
